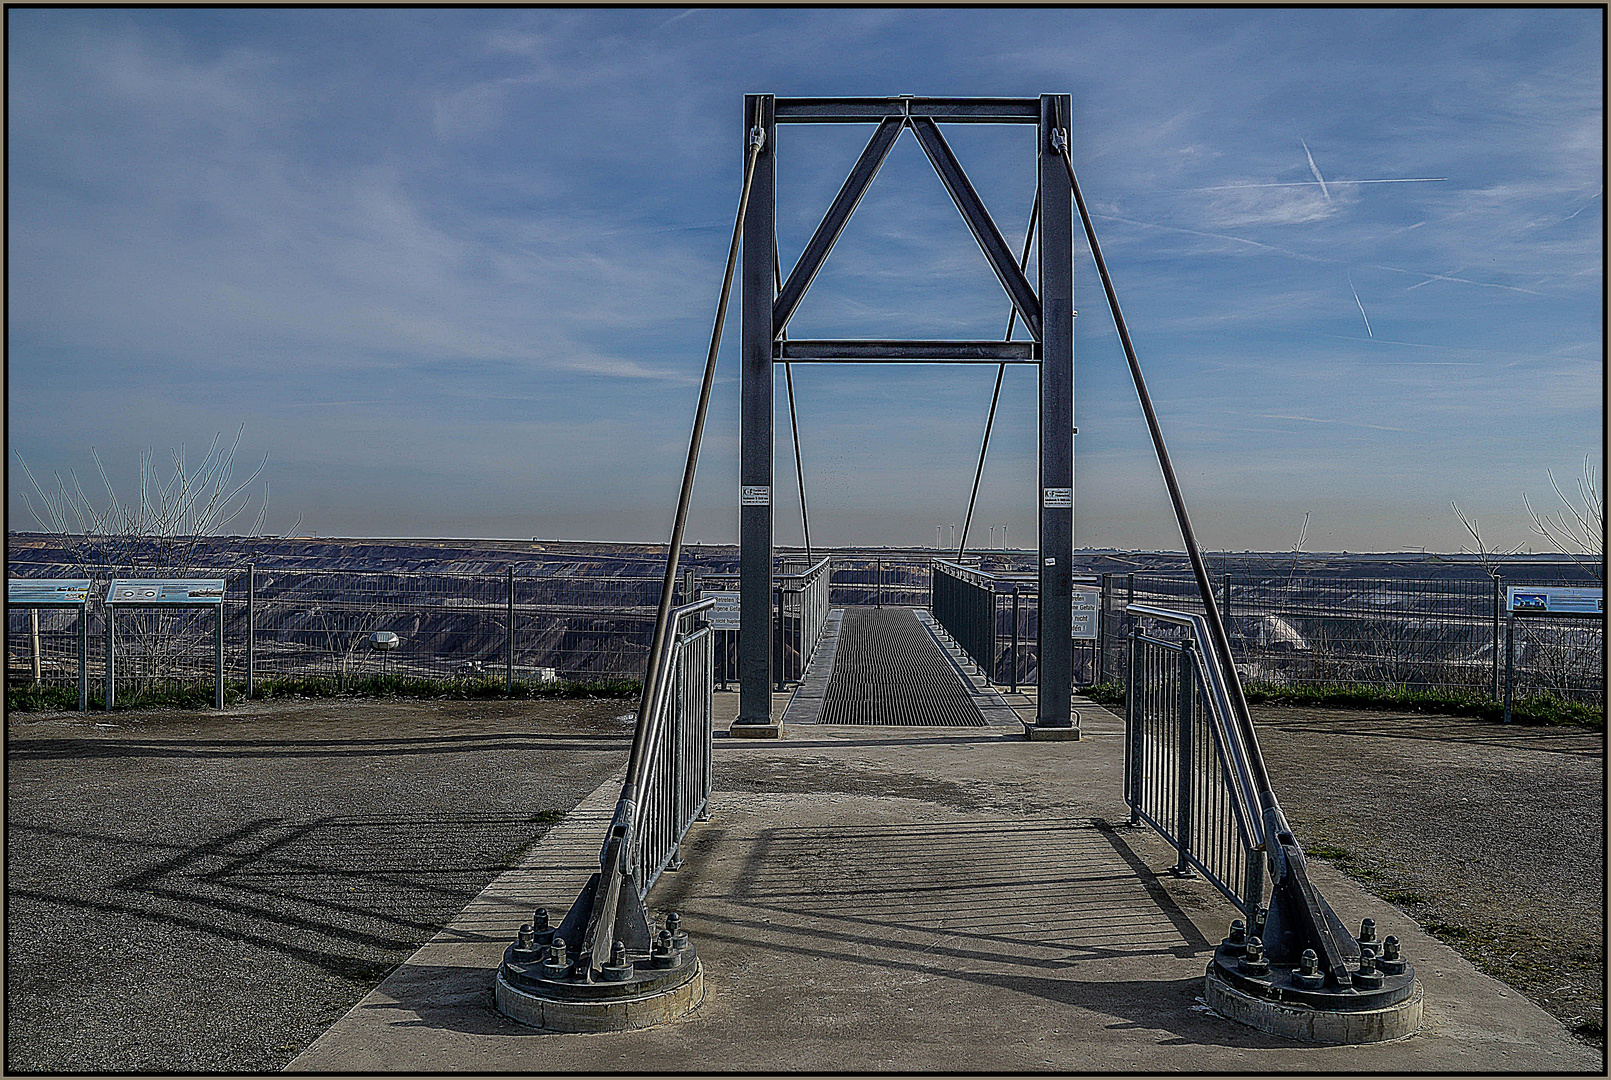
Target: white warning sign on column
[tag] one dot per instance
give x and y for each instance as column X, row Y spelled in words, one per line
column 1085, row 609
column 1057, row 498
column 755, row 496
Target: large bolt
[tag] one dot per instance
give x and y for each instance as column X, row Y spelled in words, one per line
column 1236, row 940
column 663, row 955
column 539, row 919
column 1390, row 962
column 679, row 940
column 1253, row 961
column 556, row 966
column 619, row 969
column 1367, row 930
column 1309, row 975
column 1367, row 977
column 523, row 935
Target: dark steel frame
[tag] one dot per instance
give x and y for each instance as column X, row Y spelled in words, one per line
column 1047, row 313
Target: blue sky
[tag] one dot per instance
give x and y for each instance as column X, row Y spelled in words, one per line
column 455, row 271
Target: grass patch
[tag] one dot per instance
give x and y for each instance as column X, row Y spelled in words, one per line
column 1532, row 709
column 1403, row 899
column 199, row 694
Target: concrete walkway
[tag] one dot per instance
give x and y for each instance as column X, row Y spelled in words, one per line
column 928, row 899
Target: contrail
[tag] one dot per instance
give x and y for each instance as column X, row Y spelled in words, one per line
column 1362, row 314
column 1312, row 168
column 1585, row 206
column 1330, row 183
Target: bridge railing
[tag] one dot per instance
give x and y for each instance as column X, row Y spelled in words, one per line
column 964, row 604
column 1187, row 768
column 675, row 789
column 802, row 609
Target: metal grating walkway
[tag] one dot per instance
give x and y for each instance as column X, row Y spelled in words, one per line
column 889, row 671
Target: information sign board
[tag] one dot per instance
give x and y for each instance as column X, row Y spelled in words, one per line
column 158, row 592
column 1554, row 600
column 724, row 616
column 47, row 592
column 1085, row 609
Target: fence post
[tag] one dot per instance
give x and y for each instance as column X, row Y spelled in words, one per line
column 1102, row 629
column 1182, row 867
column 1510, row 660
column 251, row 632
column 509, row 631
column 1498, row 591
column 33, row 637
column 218, row 659
column 83, row 656
column 111, row 648
column 1225, row 604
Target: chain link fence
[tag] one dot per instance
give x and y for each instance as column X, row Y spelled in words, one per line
column 539, row 624
column 1412, row 634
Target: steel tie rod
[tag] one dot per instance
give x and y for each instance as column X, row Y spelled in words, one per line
column 1280, row 843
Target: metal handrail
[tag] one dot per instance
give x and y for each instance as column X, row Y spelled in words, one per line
column 1228, row 733
column 656, row 711
column 809, row 592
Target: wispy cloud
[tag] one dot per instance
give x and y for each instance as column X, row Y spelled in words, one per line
column 1316, row 170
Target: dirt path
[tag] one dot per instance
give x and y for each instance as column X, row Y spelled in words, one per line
column 207, row 892
column 1491, row 837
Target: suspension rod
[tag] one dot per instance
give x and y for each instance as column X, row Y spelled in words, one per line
column 1001, row 370
column 1216, row 626
column 674, row 552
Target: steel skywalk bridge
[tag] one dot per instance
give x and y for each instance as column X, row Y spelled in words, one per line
column 1193, row 769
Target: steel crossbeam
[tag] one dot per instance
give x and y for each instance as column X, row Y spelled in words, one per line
column 1047, row 313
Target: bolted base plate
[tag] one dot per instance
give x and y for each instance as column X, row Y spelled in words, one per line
column 1036, row 733
column 1305, row 1023
column 755, row 731
column 660, row 1006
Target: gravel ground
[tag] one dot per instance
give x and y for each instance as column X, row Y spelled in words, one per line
column 208, row 892
column 1491, row 837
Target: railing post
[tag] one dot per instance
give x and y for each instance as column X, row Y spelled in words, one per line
column 1132, row 730
column 1253, row 889
column 1182, row 867
column 1014, row 664
column 777, row 637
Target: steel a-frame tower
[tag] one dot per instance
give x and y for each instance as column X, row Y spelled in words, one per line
column 1047, row 313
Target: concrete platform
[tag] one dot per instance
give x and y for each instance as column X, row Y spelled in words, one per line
column 879, row 899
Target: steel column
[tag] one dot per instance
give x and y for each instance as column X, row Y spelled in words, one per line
column 755, row 438
column 1053, row 707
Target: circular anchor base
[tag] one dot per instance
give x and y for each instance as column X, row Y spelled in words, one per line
column 661, row 1004
column 1306, row 1023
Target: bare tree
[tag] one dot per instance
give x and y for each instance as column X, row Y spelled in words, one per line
column 160, row 532
column 1491, row 560
column 1578, row 530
